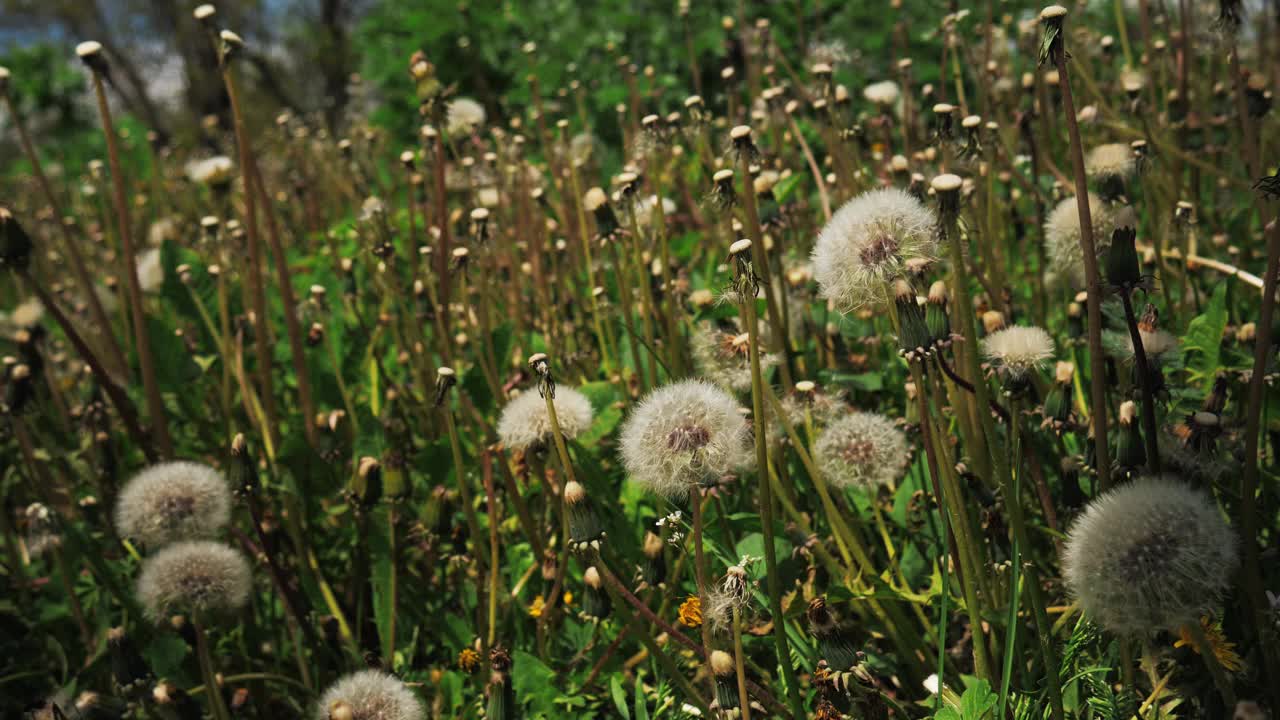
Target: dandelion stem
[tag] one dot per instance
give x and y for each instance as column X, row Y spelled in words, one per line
column 1205, row 647
column 217, row 704
column 1144, row 382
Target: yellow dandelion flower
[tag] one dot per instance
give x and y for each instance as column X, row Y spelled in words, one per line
column 468, row 660
column 1223, row 649
column 691, row 612
column 567, row 598
column 536, row 607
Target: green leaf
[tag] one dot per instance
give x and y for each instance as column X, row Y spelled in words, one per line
column 977, row 702
column 785, row 186
column 642, row 709
column 383, row 580
column 535, row 683
column 619, row 697
column 867, row 382
column 1203, row 341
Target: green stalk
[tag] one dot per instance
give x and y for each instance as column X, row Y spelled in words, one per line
column 217, row 705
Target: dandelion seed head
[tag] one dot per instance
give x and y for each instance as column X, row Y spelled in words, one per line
column 525, row 423
column 682, row 435
column 1150, row 555
column 883, row 94
column 1110, row 160
column 1062, row 235
column 173, row 501
column 1018, row 349
column 868, row 243
column 197, row 577
column 862, row 449
column 370, row 695
column 150, row 270
column 463, row 115
column 215, row 170
column 721, row 356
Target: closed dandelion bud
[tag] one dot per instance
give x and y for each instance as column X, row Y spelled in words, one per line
column 502, row 694
column 585, row 531
column 835, row 645
column 722, row 668
column 15, row 244
column 91, row 54
column 654, row 570
column 198, row 577
column 936, row 318
column 172, row 701
column 364, row 489
column 1057, row 405
column 369, row 695
column 1123, row 268
column 595, row 602
column 597, row 202
column 914, row 338
column 1075, row 319
column 173, row 501
column 1130, row 454
column 129, row 669
column 242, row 473
column 1150, row 555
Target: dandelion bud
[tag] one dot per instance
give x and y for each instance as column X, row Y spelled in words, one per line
column 15, row 244
column 204, row 13
column 173, row 501
column 1150, row 555
column 1130, row 453
column 90, row 52
column 173, row 701
column 243, row 472
column 723, row 669
column 364, row 489
column 4, row 80
column 914, row 339
column 197, row 577
column 370, row 695
column 502, row 695
column 1124, row 271
column 1057, row 405
column 595, row 603
column 654, row 570
column 936, row 318
column 1016, row 352
column 231, row 44
column 585, row 531
column 129, row 669
column 835, row 646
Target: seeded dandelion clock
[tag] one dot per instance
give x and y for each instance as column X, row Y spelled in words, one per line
column 525, row 423
column 173, row 501
column 369, row 695
column 868, row 244
column 862, row 449
column 682, row 435
column 1018, row 350
column 1062, row 235
column 1150, row 555
column 199, row 577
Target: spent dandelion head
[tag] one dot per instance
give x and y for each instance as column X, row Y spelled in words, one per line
column 173, row 501
column 682, row 436
column 862, row 449
column 198, row 577
column 867, row 245
column 1148, row 556
column 525, row 423
column 374, row 695
column 1018, row 350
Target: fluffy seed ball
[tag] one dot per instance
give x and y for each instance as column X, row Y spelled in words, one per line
column 1018, row 349
column 464, row 115
column 369, row 695
column 1110, row 160
column 681, row 435
column 525, row 422
column 1150, row 555
column 1062, row 235
column 721, row 357
column 867, row 244
column 173, row 501
column 862, row 449
column 194, row 577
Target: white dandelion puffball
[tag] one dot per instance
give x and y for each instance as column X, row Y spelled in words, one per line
column 867, row 244
column 216, row 170
column 197, row 577
column 525, row 422
column 1156, row 343
column 1150, row 555
column 370, row 695
column 645, row 207
column 884, row 93
column 173, row 501
column 463, row 115
column 862, row 449
column 150, row 271
column 1062, row 234
column 681, row 435
column 722, row 357
column 1110, row 160
column 1018, row 349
